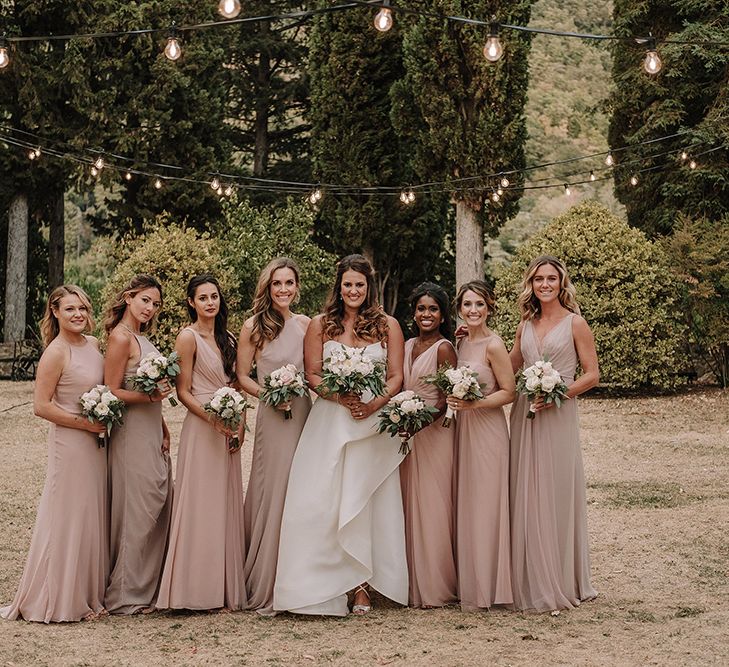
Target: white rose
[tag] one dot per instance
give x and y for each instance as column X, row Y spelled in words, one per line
column 394, row 417
column 531, row 372
column 107, row 397
column 460, row 389
column 548, row 383
column 286, row 377
column 547, row 367
column 101, row 410
column 153, row 372
column 409, row 406
column 406, row 395
column 532, row 383
column 216, row 403
column 363, row 367
column 100, row 388
column 227, row 413
column 454, row 375
column 539, row 364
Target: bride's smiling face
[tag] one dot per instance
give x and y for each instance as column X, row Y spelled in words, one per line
column 353, row 289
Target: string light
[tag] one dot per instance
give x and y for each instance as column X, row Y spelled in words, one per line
column 493, row 50
column 495, row 196
column 215, row 183
column 567, row 191
column 315, row 196
column 229, row 9
column 99, row 163
column 504, row 182
column 128, row 175
column 34, row 153
column 684, row 155
column 652, row 63
column 499, row 191
column 634, row 180
column 609, row 160
column 4, row 56
column 94, row 170
column 592, row 175
column 693, row 164
column 31, row 155
column 173, row 50
column 157, row 184
column 228, row 190
column 383, row 18
column 407, row 197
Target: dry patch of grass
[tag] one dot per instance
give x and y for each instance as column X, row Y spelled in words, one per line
column 658, row 493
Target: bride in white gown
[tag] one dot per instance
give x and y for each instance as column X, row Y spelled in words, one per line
column 343, row 522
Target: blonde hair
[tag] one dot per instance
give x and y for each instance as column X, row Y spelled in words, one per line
column 118, row 306
column 529, row 305
column 267, row 321
column 49, row 327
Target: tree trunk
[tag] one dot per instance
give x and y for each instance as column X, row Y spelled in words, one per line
column 56, row 241
column 17, row 269
column 260, row 150
column 469, row 244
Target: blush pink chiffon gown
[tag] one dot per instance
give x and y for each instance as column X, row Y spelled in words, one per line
column 426, row 477
column 65, row 573
column 204, row 564
column 550, row 552
column 482, row 493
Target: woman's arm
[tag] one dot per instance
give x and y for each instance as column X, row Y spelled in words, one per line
column 446, row 354
column 587, row 354
column 122, row 346
column 50, row 368
column 314, row 357
column 517, row 360
column 186, row 347
column 244, row 363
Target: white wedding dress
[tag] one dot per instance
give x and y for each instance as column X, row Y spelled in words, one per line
column 343, row 520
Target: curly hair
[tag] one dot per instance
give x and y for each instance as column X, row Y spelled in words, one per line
column 49, row 327
column 118, row 306
column 371, row 321
column 267, row 321
column 226, row 342
column 529, row 305
column 440, row 296
column 482, row 289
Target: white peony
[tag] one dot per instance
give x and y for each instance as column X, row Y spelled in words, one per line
column 548, row 383
column 547, row 367
column 107, row 397
column 101, row 410
column 409, row 406
column 454, row 375
column 539, row 364
column 460, row 389
column 216, row 403
column 532, row 383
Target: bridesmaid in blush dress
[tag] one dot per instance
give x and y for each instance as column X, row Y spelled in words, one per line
column 550, row 553
column 140, row 473
column 204, row 564
column 426, row 474
column 273, row 337
column 65, row 573
column 482, row 477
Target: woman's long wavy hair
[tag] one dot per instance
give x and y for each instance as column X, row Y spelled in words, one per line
column 371, row 321
column 225, row 341
column 267, row 321
column 118, row 306
column 483, row 290
column 529, row 305
column 49, row 327
column 440, row 296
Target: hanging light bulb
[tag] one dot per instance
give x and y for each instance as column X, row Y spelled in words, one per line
column 173, row 50
column 215, row 183
column 157, row 184
column 228, row 190
column 499, row 191
column 609, row 159
column 411, row 196
column 404, row 197
column 504, row 182
column 315, row 196
column 229, row 9
column 693, row 164
column 99, row 163
column 592, row 175
column 383, row 18
column 493, row 50
column 128, row 175
column 634, row 180
column 94, row 170
column 495, row 196
column 684, row 155
column 567, row 191
column 4, row 56
column 652, row 63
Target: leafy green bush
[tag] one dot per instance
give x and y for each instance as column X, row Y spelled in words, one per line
column 173, row 254
column 92, row 269
column 699, row 254
column 251, row 237
column 626, row 291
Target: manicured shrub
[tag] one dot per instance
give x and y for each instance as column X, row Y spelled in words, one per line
column 626, row 290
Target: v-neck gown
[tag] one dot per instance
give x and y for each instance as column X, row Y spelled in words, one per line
column 550, row 553
column 65, row 573
column 273, row 450
column 204, row 564
column 426, row 476
column 140, row 486
column 343, row 521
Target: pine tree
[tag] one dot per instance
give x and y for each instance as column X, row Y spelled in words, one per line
column 465, row 114
column 691, row 92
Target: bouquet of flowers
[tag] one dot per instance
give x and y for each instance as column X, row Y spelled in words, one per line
column 353, row 371
column 282, row 385
column 461, row 382
column 227, row 405
column 98, row 404
column 405, row 413
column 541, row 380
column 155, row 368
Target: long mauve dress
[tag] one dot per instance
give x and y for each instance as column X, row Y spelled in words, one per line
column 273, row 451
column 426, row 476
column 204, row 564
column 550, row 553
column 482, row 493
column 140, row 485
column 65, row 573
